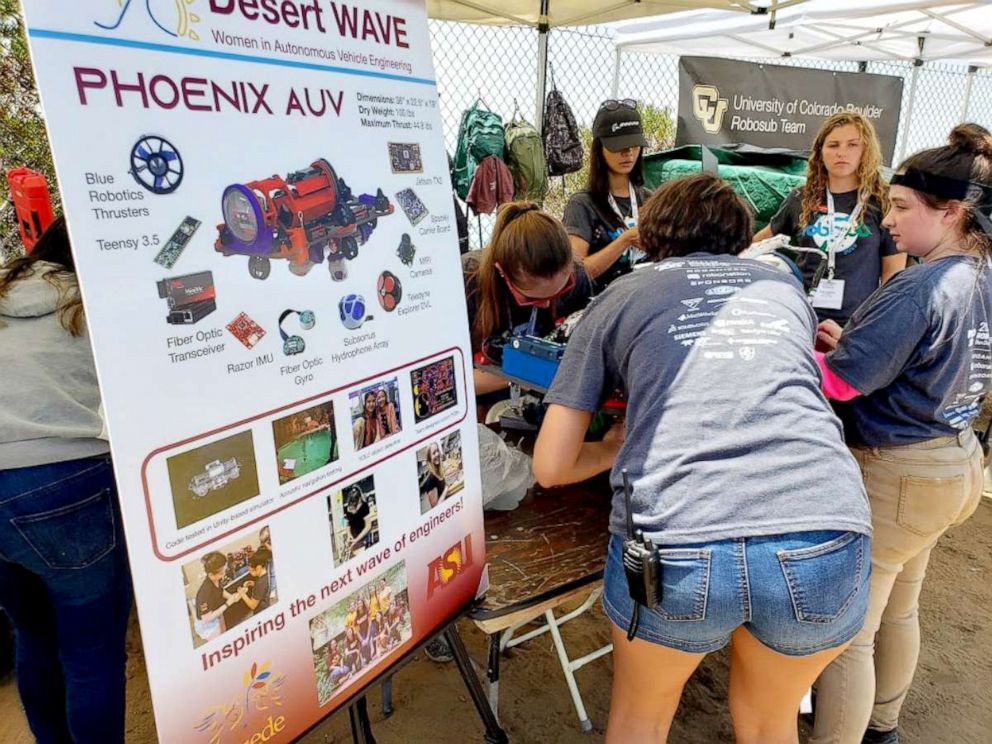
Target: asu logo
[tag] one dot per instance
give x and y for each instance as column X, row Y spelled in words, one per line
column 174, row 17
column 442, row 571
column 708, row 107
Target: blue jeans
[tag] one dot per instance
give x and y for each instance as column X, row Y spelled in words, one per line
column 65, row 583
column 798, row 593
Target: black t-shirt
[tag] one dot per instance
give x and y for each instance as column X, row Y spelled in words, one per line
column 599, row 228
column 356, row 520
column 859, row 255
column 260, row 591
column 430, row 482
column 208, row 598
column 564, row 306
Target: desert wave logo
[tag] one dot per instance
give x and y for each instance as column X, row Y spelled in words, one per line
column 261, row 693
column 442, row 571
column 174, row 17
column 708, row 107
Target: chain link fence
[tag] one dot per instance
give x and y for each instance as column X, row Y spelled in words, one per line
column 498, row 65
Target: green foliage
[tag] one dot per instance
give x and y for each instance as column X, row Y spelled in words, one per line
column 23, row 138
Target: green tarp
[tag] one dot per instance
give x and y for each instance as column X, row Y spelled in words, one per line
column 764, row 178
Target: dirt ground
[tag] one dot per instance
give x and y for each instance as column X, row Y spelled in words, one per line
column 950, row 703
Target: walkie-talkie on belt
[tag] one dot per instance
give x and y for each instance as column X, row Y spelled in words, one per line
column 642, row 565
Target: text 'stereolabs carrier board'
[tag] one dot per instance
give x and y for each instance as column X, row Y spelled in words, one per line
column 237, row 177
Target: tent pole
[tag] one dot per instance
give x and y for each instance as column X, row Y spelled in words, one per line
column 616, row 74
column 913, row 80
column 972, row 69
column 543, row 27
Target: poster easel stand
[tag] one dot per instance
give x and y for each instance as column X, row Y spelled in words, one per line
column 358, row 711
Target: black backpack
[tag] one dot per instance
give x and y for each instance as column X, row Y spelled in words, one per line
column 562, row 144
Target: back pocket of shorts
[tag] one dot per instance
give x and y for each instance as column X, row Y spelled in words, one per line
column 685, row 583
column 73, row 536
column 824, row 579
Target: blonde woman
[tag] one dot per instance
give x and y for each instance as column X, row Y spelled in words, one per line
column 432, row 482
column 839, row 210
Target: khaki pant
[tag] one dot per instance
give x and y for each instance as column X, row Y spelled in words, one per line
column 916, row 492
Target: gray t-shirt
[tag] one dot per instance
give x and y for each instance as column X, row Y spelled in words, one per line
column 728, row 434
column 919, row 352
column 859, row 255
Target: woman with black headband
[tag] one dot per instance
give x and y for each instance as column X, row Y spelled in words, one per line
column 602, row 219
column 916, row 362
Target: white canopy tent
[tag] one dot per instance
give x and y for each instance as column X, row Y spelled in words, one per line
column 857, row 30
column 543, row 15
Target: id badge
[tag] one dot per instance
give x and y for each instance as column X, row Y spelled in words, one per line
column 829, row 294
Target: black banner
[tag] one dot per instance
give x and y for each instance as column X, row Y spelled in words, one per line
column 723, row 101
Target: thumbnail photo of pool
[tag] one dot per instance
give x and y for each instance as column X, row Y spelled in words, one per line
column 360, row 631
column 305, row 441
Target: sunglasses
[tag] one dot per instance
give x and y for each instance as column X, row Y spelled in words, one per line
column 613, row 104
column 525, row 300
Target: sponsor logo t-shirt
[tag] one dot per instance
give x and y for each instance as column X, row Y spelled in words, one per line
column 918, row 350
column 859, row 253
column 728, row 434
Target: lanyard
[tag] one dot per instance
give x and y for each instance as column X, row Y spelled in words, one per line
column 632, row 253
column 834, row 241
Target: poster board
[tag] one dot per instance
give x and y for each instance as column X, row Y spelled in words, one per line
column 723, row 101
column 260, row 208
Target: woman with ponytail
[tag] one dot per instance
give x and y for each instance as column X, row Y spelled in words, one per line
column 525, row 279
column 916, row 362
column 839, row 210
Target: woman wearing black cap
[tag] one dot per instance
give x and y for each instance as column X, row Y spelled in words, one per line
column 602, row 219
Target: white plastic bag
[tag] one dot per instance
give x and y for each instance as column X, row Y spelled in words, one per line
column 506, row 472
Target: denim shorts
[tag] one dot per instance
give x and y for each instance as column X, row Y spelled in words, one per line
column 797, row 593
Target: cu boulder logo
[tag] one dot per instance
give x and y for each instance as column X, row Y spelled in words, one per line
column 708, row 107
column 449, row 566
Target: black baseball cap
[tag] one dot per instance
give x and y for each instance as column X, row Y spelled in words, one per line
column 619, row 128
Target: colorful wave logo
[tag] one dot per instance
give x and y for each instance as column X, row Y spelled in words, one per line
column 174, row 17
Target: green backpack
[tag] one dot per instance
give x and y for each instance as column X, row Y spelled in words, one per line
column 480, row 134
column 525, row 157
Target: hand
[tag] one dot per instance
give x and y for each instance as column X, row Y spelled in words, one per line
column 630, row 237
column 616, row 434
column 828, row 334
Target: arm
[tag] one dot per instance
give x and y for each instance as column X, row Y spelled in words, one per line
column 600, row 261
column 892, row 265
column 562, row 456
column 762, row 234
column 487, row 382
column 834, row 387
column 250, row 601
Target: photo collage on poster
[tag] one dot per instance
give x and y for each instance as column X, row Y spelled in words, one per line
column 305, row 446
column 230, row 584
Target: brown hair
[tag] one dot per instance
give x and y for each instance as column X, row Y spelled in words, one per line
column 871, row 188
column 213, row 562
column 695, row 213
column 525, row 242
column 966, row 157
column 52, row 247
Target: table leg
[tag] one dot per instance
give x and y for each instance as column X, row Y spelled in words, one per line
column 492, row 671
column 494, row 734
column 387, row 697
column 361, row 726
column 566, row 667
